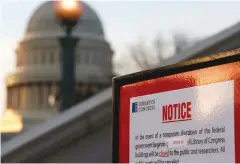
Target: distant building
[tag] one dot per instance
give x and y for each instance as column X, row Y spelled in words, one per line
column 37, row 74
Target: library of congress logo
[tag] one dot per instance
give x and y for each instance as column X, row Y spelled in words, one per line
column 143, row 106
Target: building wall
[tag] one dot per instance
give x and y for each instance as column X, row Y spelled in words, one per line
column 37, row 74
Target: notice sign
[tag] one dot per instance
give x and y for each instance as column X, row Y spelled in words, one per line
column 186, row 113
column 194, row 124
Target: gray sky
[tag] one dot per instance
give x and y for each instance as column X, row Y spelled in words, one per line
column 124, row 21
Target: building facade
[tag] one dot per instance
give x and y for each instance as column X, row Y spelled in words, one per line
column 37, row 75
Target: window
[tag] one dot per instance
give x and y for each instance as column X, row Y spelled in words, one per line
column 77, row 57
column 56, row 56
column 51, row 58
column 82, row 58
column 27, row 59
column 34, row 59
column 14, row 97
column 43, row 58
column 95, row 59
column 86, row 57
column 99, row 61
column 90, row 58
column 22, row 59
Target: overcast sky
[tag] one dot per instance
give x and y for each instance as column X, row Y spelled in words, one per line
column 124, row 21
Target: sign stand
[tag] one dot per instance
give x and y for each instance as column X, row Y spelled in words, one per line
column 181, row 113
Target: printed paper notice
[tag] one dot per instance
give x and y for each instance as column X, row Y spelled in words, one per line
column 188, row 125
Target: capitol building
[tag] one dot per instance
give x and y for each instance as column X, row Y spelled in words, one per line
column 37, row 74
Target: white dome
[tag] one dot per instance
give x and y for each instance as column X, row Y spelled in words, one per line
column 44, row 24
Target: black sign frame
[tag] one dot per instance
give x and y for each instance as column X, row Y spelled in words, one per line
column 190, row 65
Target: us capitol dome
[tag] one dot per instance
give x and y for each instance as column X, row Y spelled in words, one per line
column 37, row 74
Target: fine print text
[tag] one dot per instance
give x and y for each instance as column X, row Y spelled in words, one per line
column 172, row 146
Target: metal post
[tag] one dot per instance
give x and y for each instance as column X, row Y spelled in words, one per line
column 68, row 80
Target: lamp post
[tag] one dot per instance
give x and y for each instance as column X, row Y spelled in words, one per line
column 67, row 13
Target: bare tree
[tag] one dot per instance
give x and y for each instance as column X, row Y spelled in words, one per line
column 147, row 57
column 180, row 42
column 158, row 47
column 139, row 53
column 119, row 68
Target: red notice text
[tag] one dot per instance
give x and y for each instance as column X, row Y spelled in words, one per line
column 176, row 112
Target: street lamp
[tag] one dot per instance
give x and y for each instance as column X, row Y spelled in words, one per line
column 67, row 13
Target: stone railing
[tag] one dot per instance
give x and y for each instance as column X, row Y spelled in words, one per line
column 62, row 130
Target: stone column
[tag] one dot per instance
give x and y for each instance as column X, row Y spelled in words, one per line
column 37, row 97
column 23, row 97
column 34, row 97
column 50, row 92
column 17, row 97
column 54, row 90
column 45, row 96
column 26, row 97
column 40, row 96
column 20, row 98
column 8, row 97
column 30, row 97
column 56, row 57
column 26, row 59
